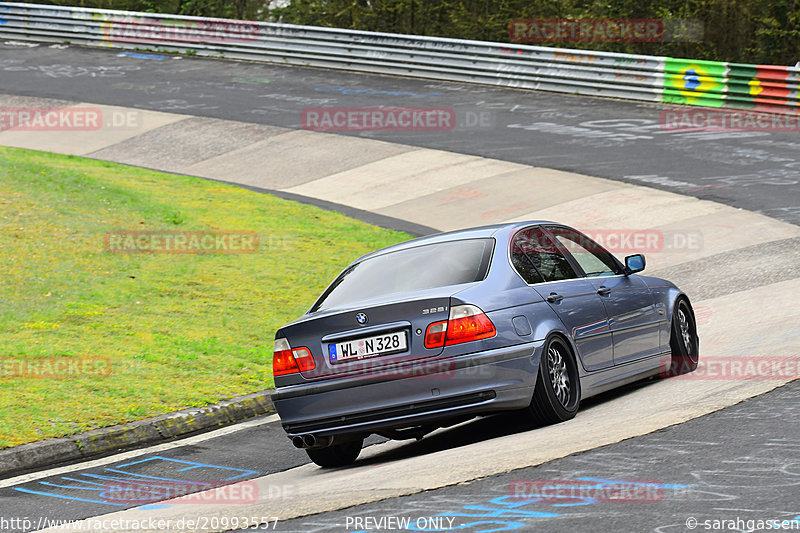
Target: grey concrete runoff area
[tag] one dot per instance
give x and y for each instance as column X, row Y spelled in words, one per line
column 715, row 445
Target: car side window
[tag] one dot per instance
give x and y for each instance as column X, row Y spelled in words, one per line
column 595, row 260
column 537, row 258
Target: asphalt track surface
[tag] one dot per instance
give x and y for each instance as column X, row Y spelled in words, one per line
column 620, row 140
column 758, row 171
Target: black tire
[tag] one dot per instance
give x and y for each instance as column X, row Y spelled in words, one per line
column 335, row 455
column 557, row 394
column 683, row 342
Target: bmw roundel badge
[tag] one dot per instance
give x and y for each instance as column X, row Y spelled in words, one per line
column 361, row 318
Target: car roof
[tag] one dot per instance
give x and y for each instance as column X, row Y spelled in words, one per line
column 481, row 232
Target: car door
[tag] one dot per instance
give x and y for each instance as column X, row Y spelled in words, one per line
column 547, row 270
column 634, row 319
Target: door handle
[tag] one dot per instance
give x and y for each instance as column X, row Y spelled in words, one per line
column 603, row 290
column 554, row 297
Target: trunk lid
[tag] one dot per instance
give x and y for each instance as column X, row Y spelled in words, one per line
column 369, row 337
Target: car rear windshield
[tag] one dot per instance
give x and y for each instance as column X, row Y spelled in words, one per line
column 412, row 269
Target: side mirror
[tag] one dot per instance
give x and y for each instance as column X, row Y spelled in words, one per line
column 634, row 263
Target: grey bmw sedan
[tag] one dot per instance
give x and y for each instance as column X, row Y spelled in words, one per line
column 529, row 316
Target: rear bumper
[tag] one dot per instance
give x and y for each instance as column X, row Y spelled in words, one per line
column 422, row 394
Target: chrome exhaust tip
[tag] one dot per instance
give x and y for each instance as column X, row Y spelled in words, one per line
column 309, row 441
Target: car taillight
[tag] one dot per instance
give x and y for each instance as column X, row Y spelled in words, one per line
column 466, row 323
column 305, row 361
column 435, row 334
column 286, row 360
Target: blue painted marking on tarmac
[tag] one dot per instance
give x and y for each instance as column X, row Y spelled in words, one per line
column 139, row 55
column 96, row 481
column 192, row 466
column 67, row 497
column 154, row 506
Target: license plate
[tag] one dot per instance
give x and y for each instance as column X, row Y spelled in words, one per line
column 368, row 347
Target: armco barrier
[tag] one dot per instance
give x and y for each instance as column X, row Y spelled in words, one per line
column 635, row 77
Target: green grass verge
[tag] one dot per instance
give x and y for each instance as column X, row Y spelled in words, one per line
column 178, row 330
